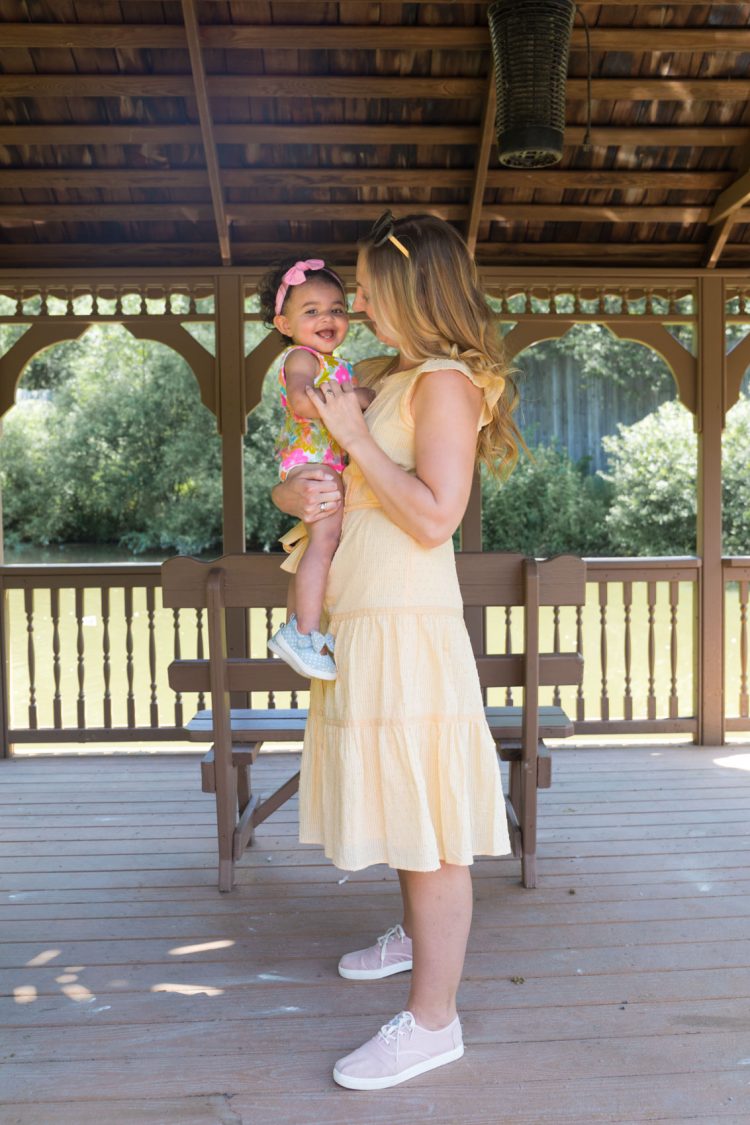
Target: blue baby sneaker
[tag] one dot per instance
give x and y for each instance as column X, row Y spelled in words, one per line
column 304, row 651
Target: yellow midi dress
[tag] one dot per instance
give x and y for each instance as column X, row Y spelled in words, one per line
column 399, row 765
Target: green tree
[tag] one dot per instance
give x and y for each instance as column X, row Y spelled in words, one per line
column 123, row 452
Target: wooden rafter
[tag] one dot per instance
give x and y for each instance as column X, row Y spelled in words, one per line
column 295, row 176
column 356, row 37
column 483, row 155
column 355, row 86
column 717, row 242
column 727, row 208
column 733, row 196
column 190, row 18
column 43, row 212
column 642, row 136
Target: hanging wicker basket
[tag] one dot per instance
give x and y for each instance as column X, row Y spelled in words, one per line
column 530, row 45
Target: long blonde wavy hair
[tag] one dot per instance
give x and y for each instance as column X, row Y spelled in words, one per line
column 431, row 305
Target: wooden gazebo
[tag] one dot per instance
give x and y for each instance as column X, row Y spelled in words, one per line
column 155, row 155
column 154, row 161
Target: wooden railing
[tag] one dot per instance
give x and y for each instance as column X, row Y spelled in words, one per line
column 86, row 651
column 736, row 585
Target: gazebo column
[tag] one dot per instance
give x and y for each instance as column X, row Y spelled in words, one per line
column 710, row 425
column 231, row 420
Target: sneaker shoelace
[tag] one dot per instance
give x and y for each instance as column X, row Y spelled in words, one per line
column 402, row 1024
column 396, row 933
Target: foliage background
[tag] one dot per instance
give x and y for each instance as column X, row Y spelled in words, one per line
column 110, row 444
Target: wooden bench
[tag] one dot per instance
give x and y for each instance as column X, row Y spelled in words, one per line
column 236, row 583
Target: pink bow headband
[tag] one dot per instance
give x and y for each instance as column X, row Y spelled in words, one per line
column 296, row 276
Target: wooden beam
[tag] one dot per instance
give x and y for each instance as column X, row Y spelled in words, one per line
column 30, row 255
column 483, row 156
column 683, row 90
column 717, row 241
column 249, row 213
column 120, row 36
column 236, row 85
column 686, row 136
column 178, row 178
column 484, row 3
column 13, row 213
column 733, row 196
column 190, row 18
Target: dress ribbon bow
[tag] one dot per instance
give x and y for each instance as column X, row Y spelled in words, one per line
column 295, row 275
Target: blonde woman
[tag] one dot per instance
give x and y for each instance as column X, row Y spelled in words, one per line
column 399, row 766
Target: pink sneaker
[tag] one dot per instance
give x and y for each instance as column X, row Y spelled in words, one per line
column 401, row 1050
column 390, row 954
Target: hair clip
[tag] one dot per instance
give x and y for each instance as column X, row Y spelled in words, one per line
column 382, row 232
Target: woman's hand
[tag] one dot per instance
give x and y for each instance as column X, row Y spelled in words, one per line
column 302, row 494
column 340, row 412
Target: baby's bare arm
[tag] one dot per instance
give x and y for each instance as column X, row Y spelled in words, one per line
column 301, row 369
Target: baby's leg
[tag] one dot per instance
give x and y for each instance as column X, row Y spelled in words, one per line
column 312, row 572
column 291, row 596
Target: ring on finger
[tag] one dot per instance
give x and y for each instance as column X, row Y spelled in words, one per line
column 323, row 505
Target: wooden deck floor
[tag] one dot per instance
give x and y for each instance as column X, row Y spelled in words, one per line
column 134, row 994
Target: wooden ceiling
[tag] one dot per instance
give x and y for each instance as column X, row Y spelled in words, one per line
column 200, row 132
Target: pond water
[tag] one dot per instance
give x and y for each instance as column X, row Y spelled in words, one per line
column 59, row 553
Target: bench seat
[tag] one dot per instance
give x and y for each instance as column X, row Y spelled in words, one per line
column 277, row 725
column 228, row 587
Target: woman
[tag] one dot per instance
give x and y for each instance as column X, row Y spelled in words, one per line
column 399, row 766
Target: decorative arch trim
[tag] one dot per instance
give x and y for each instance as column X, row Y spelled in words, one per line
column 682, row 364
column 36, row 339
column 257, row 363
column 174, row 336
column 738, row 362
column 527, row 333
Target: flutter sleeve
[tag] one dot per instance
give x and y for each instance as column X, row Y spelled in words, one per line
column 491, row 385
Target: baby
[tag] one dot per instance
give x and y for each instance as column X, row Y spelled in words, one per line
column 306, row 302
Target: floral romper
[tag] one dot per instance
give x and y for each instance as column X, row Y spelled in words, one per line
column 305, row 441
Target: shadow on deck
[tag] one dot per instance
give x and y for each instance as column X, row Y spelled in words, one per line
column 135, row 994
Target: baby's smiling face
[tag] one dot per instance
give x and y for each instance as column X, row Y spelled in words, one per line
column 315, row 315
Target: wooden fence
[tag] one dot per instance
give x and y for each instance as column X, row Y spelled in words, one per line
column 86, row 649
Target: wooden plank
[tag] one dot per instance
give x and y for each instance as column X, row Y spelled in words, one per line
column 683, row 90
column 668, row 256
column 650, row 949
column 367, row 37
column 243, row 133
column 184, row 178
column 265, row 1068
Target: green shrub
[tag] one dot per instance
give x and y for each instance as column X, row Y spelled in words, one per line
column 736, row 480
column 652, row 474
column 548, row 506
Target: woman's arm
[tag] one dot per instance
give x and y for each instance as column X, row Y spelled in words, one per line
column 302, row 494
column 429, row 505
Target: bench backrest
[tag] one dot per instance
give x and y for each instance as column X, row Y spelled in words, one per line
column 251, row 581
